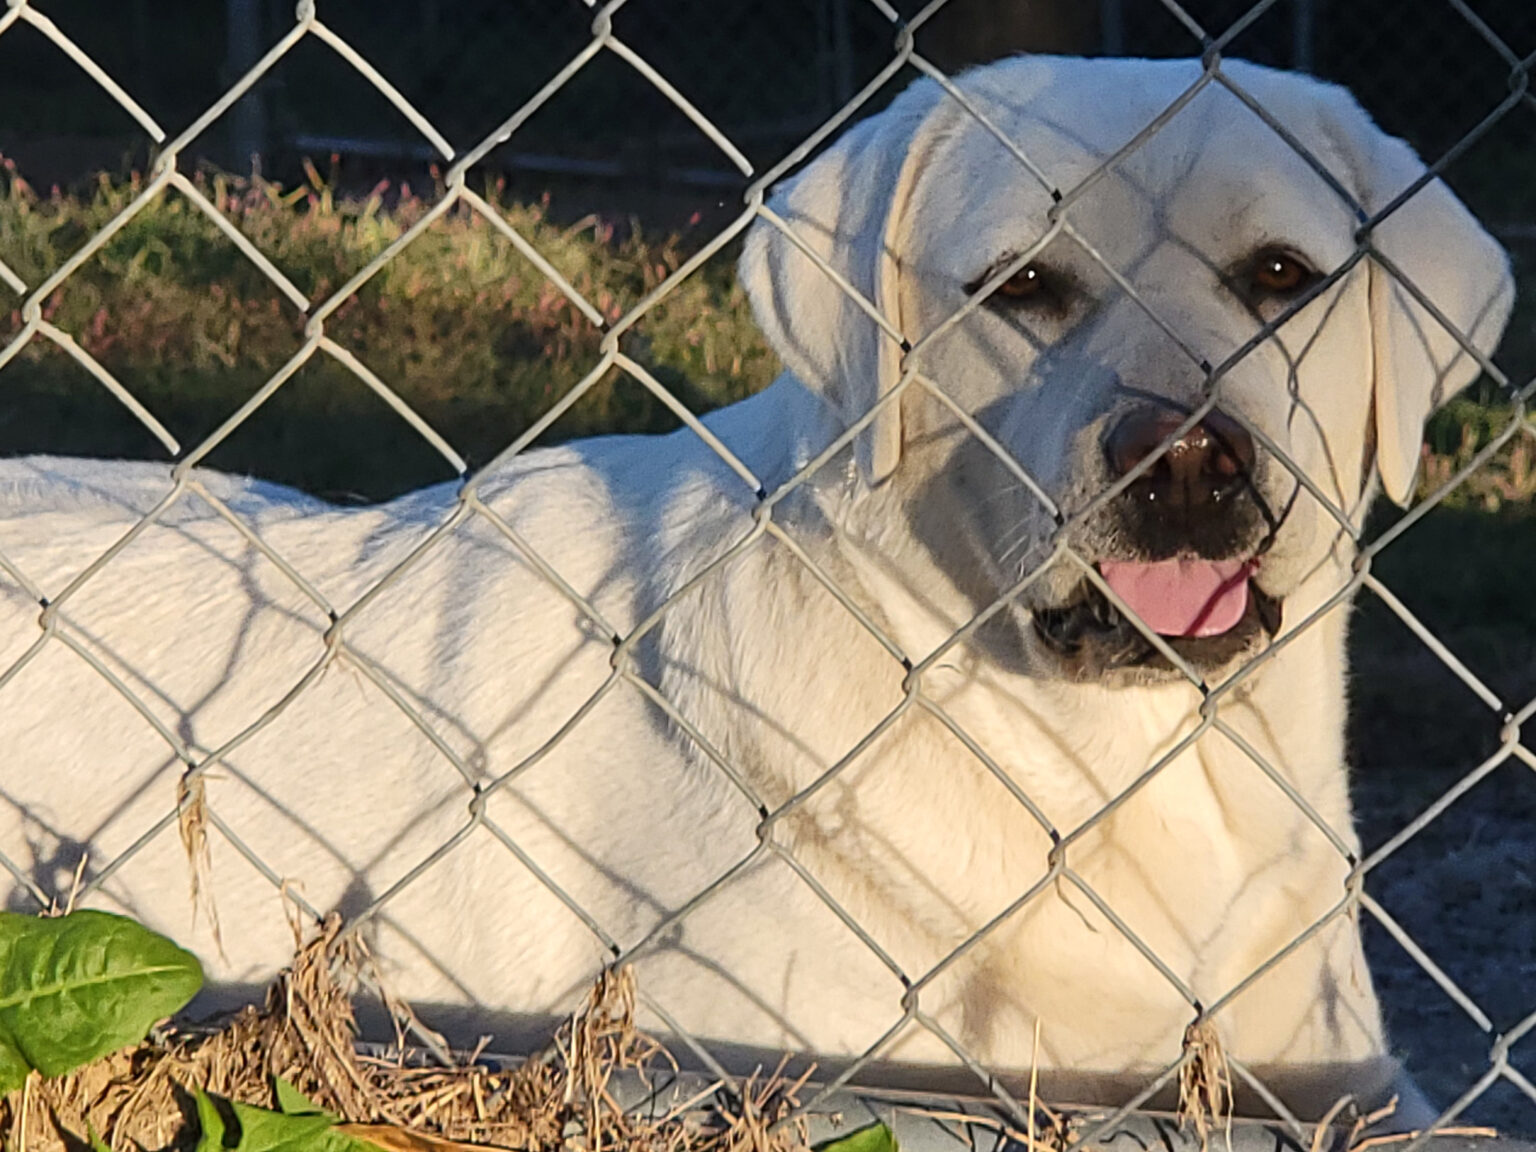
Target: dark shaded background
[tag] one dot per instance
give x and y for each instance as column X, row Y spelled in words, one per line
column 765, row 72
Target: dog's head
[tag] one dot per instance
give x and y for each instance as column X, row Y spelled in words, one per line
column 1198, row 354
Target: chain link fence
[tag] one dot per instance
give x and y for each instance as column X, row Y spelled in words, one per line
column 790, row 66
column 191, row 809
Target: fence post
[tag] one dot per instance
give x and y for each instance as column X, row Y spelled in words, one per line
column 1112, row 27
column 1303, row 32
column 248, row 118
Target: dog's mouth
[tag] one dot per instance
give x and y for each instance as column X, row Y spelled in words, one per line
column 1207, row 611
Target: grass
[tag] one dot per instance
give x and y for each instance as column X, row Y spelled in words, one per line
column 1465, row 574
column 460, row 325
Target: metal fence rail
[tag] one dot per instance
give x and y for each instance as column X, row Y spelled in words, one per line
column 607, row 37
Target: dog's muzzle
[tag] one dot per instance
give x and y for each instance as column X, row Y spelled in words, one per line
column 1091, row 636
column 1190, row 531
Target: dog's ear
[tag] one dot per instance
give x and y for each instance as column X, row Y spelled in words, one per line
column 1438, row 246
column 848, row 208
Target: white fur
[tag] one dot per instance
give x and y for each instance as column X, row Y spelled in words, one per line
column 1210, row 864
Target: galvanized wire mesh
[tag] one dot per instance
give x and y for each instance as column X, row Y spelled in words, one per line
column 332, row 646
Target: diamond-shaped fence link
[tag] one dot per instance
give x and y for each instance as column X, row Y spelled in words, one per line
column 329, row 610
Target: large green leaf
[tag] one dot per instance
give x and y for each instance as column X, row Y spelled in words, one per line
column 294, row 1102
column 77, row 987
column 300, row 1127
column 871, row 1138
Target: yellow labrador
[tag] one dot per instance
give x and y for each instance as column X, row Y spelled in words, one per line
column 869, row 762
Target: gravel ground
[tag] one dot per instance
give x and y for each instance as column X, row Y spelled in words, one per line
column 1465, row 887
column 1465, row 890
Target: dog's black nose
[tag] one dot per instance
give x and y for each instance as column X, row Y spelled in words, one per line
column 1200, row 466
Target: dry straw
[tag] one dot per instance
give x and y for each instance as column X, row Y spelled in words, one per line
column 557, row 1101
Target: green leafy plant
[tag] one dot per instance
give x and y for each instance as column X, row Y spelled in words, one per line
column 298, row 1126
column 76, row 987
column 871, row 1138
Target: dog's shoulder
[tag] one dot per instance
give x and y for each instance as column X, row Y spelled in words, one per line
column 668, row 494
column 128, row 489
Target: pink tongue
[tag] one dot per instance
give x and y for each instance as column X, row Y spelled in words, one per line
column 1183, row 597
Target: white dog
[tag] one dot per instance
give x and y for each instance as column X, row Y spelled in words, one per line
column 636, row 754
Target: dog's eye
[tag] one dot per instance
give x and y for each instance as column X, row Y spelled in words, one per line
column 1027, row 283
column 1278, row 274
column 1033, row 287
